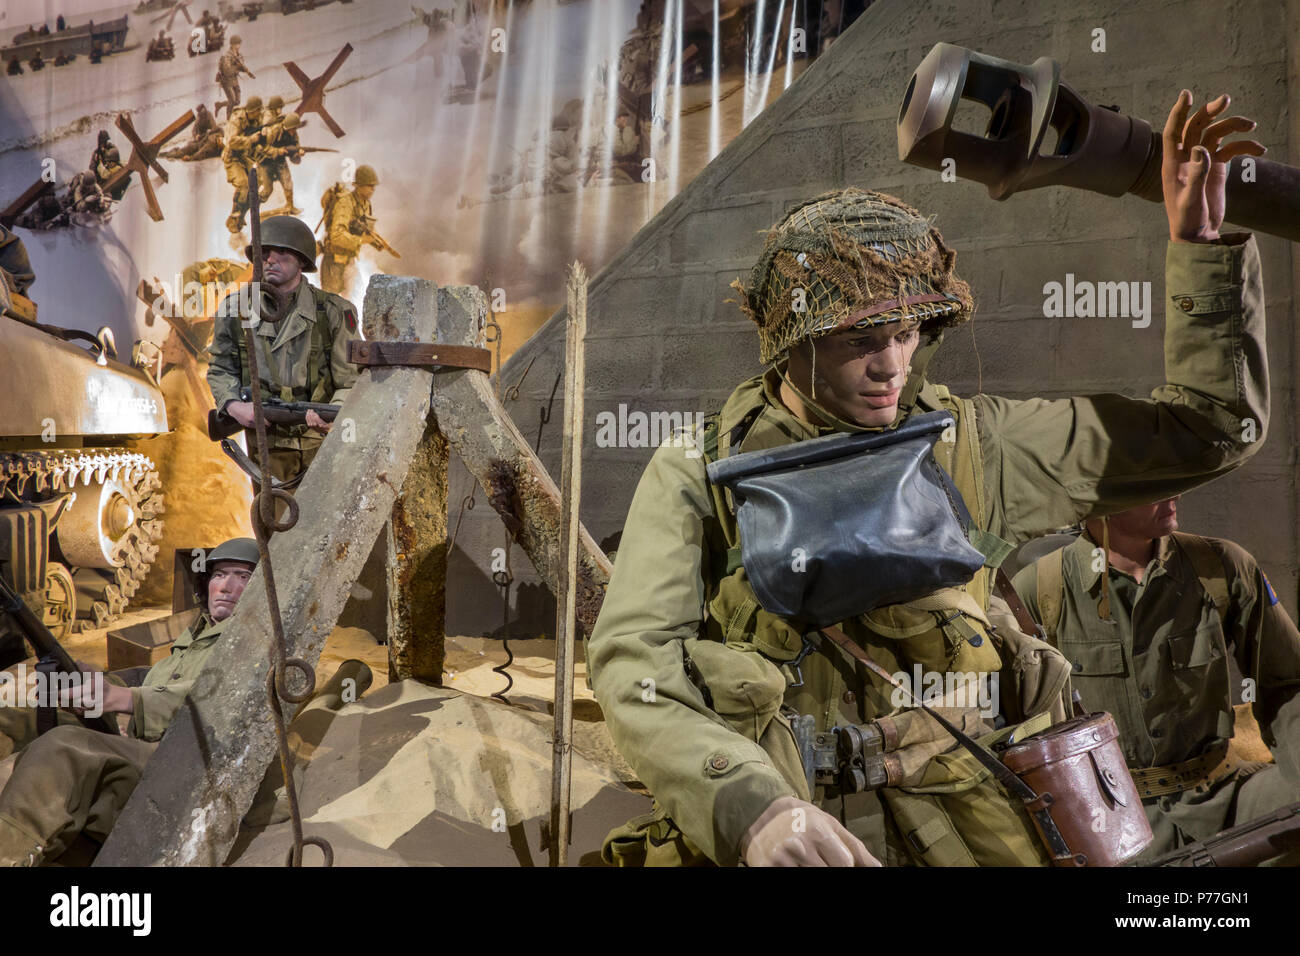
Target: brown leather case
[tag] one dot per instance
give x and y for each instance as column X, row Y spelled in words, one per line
column 1078, row 771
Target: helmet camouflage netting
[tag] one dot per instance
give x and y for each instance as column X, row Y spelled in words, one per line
column 852, row 258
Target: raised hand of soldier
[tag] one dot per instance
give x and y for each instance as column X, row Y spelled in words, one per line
column 1195, row 166
column 792, row 832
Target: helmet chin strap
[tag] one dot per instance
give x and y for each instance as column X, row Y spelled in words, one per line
column 906, row 398
column 916, row 377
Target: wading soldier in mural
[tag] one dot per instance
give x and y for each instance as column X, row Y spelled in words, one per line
column 348, row 226
column 302, row 357
column 106, row 161
column 242, row 134
column 73, row 780
column 279, row 148
column 274, row 111
column 852, row 295
column 228, row 70
column 86, row 202
column 1149, row 618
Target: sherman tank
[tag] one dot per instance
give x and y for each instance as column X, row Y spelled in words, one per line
column 80, row 512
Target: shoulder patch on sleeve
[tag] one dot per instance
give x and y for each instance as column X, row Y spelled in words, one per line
column 350, row 319
column 1272, row 595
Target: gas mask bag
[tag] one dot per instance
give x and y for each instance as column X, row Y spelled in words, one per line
column 833, row 527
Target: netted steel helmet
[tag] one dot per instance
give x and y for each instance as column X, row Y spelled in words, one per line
column 292, row 121
column 366, row 176
column 852, row 258
column 287, row 232
column 235, row 40
column 254, row 104
column 275, row 103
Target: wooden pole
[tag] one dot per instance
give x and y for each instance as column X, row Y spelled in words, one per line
column 567, row 597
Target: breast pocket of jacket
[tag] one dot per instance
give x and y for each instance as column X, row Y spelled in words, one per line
column 1098, row 672
column 1094, row 658
column 1195, row 682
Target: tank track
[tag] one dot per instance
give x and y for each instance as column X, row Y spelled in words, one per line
column 103, row 594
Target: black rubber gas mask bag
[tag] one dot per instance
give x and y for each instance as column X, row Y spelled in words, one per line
column 833, row 527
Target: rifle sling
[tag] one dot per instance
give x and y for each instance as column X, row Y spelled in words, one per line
column 1023, row 618
column 47, row 717
column 1055, row 841
column 246, row 465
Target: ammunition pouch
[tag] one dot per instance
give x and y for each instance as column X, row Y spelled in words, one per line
column 958, row 814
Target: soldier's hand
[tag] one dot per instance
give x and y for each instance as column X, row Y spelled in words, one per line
column 241, row 412
column 1195, row 166
column 794, row 833
column 117, row 700
column 315, row 421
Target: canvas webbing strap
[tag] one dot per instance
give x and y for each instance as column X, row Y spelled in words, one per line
column 1035, row 805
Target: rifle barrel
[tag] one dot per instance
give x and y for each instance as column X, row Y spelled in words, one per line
column 1246, row 844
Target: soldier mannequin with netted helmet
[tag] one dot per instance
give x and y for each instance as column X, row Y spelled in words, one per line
column 852, row 295
column 302, row 356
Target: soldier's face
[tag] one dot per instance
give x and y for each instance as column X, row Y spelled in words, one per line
column 281, row 267
column 365, row 192
column 858, row 374
column 1148, row 521
column 225, row 585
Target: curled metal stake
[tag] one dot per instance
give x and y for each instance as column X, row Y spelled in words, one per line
column 512, row 393
column 502, row 579
column 264, row 523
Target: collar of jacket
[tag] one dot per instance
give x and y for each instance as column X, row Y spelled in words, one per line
column 299, row 320
column 775, row 424
column 1084, row 544
column 201, row 630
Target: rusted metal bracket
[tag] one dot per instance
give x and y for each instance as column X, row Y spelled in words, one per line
column 369, row 354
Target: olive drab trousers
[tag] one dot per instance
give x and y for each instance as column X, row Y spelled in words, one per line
column 70, row 781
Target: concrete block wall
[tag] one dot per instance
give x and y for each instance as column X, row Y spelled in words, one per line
column 663, row 338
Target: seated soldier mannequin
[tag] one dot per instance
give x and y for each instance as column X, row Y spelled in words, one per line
column 1148, row 617
column 74, row 780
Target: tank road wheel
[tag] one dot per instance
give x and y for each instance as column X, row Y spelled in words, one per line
column 60, row 600
column 109, row 531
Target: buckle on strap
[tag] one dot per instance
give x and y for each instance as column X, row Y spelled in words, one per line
column 810, row 644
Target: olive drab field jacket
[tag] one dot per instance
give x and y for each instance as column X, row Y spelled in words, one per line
column 170, row 681
column 1160, row 663
column 1030, row 466
column 303, row 357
